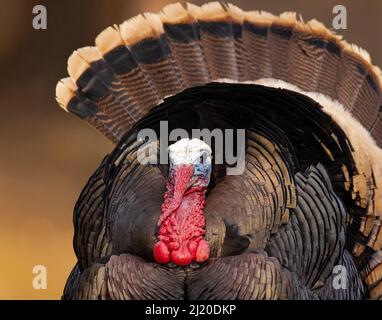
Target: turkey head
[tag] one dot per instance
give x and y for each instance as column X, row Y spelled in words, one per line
column 181, row 225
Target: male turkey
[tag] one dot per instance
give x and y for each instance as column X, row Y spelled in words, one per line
column 309, row 201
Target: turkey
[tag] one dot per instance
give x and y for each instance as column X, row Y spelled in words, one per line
column 301, row 220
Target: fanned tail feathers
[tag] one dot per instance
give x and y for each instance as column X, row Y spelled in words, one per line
column 135, row 65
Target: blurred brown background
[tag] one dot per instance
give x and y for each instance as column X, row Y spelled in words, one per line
column 47, row 155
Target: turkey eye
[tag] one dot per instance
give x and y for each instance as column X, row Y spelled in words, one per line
column 201, row 159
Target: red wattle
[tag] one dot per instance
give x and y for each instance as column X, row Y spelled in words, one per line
column 202, row 252
column 161, row 253
column 181, row 257
column 181, row 225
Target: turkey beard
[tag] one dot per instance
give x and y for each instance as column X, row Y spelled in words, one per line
column 182, row 223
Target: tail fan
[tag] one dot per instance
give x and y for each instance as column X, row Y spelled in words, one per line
column 149, row 57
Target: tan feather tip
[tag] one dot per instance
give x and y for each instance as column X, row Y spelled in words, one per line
column 175, row 13
column 319, row 28
column 155, row 22
column 353, row 48
column 260, row 17
column 76, row 66
column 65, row 91
column 362, row 52
column 235, row 13
column 108, row 40
column 289, row 15
column 90, row 54
column 193, row 10
column 288, row 18
column 378, row 73
column 377, row 70
column 212, row 11
column 136, row 29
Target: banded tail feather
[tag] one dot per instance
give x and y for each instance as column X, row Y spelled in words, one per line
column 97, row 81
column 137, row 85
column 144, row 35
column 255, row 37
column 183, row 36
column 216, row 39
column 72, row 100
